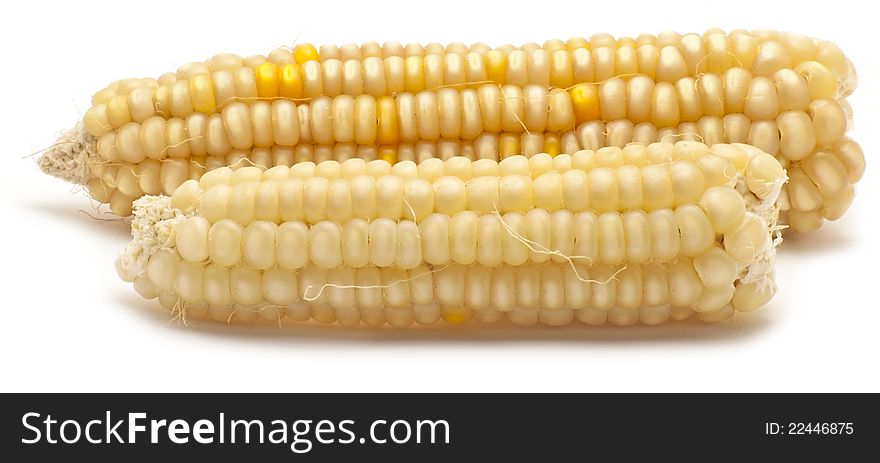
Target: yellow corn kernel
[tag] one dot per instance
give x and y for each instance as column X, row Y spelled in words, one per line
column 552, row 145
column 305, row 52
column 266, row 76
column 496, row 66
column 290, row 81
column 387, row 154
column 201, row 90
column 388, row 132
column 456, row 315
column 585, row 102
column 508, row 145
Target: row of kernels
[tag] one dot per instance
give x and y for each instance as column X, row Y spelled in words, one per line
column 119, row 185
column 122, row 87
column 714, row 51
column 464, row 238
column 840, row 167
column 793, row 134
column 450, row 114
column 784, row 89
column 798, row 46
column 531, row 166
column 485, row 146
column 174, row 171
column 551, row 293
column 601, row 189
column 239, row 126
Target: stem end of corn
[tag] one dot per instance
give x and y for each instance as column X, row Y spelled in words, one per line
column 66, row 158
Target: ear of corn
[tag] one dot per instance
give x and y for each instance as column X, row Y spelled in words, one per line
column 781, row 92
column 206, row 87
column 674, row 230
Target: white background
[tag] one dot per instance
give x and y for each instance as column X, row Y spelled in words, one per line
column 69, row 324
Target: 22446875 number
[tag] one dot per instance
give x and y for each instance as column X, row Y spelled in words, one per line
column 801, row 429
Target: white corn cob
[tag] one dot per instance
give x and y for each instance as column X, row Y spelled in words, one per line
column 587, row 236
column 782, row 92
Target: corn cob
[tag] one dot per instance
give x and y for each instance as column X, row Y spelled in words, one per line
column 788, row 108
column 302, row 74
column 679, row 229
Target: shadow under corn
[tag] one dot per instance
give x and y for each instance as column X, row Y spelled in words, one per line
column 83, row 213
column 830, row 238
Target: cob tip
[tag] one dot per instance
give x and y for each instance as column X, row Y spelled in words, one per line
column 67, row 157
column 152, row 228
